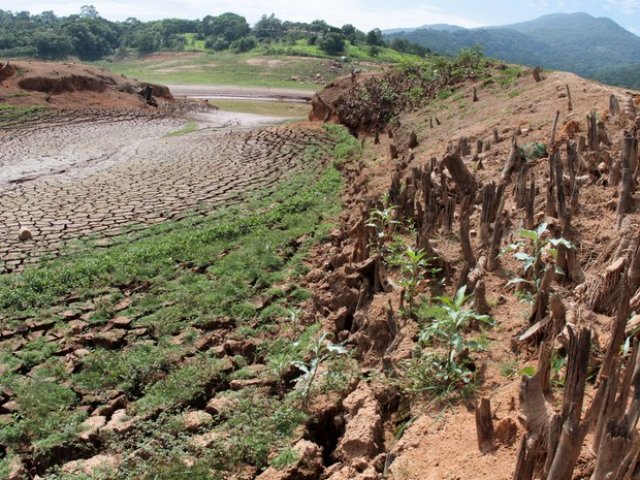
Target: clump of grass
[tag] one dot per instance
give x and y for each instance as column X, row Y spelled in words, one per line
column 190, row 127
column 13, row 114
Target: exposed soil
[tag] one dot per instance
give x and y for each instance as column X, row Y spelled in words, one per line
column 71, row 85
column 109, row 161
column 86, row 175
column 439, row 441
column 124, row 171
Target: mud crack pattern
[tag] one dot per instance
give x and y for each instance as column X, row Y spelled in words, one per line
column 71, row 178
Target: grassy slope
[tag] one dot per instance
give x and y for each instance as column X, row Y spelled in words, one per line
column 265, row 67
column 181, row 278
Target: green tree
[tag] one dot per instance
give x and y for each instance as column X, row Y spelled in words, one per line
column 268, row 27
column 229, row 25
column 244, row 44
column 52, row 46
column 89, row 11
column 147, row 41
column 332, row 43
column 374, row 38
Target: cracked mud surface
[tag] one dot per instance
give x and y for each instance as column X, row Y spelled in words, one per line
column 88, row 175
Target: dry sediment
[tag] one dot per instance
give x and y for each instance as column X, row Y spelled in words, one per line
column 75, row 176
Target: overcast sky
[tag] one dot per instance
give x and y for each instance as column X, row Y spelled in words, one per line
column 364, row 14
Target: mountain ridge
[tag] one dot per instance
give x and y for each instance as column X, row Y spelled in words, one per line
column 596, row 48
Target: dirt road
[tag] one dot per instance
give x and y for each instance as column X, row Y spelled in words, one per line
column 91, row 176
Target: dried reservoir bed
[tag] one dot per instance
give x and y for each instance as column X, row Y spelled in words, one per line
column 94, row 174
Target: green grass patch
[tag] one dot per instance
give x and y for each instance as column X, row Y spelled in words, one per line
column 12, row 114
column 276, row 66
column 268, row 108
column 188, row 128
column 187, row 274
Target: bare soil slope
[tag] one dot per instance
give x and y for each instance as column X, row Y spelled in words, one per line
column 423, row 438
column 72, row 85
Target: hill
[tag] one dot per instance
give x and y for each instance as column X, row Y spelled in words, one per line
column 591, row 47
column 290, row 302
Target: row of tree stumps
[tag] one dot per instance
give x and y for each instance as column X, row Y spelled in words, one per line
column 554, row 441
column 429, row 198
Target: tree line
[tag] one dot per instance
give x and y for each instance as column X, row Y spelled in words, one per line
column 88, row 36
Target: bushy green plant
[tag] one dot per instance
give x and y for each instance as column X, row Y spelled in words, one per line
column 441, row 364
column 414, row 268
column 383, row 222
column 529, row 251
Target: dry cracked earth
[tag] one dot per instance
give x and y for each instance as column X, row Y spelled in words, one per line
column 94, row 174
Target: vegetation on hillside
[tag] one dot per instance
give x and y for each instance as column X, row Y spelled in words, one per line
column 90, row 37
column 592, row 47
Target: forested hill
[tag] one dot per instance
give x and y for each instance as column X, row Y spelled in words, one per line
column 592, row 47
column 88, row 36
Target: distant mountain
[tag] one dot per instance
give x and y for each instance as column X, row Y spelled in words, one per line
column 592, row 47
column 442, row 27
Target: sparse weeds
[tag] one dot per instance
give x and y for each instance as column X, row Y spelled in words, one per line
column 323, row 354
column 509, row 76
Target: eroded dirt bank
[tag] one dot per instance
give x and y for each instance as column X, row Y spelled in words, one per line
column 439, row 167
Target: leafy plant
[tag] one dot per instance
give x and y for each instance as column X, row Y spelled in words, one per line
column 414, row 269
column 532, row 259
column 441, row 364
column 322, row 352
column 383, row 223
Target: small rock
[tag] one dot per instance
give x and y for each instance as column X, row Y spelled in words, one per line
column 11, row 406
column 195, row 420
column 205, row 440
column 70, row 314
column 120, row 322
column 91, row 427
column 220, row 404
column 123, row 304
column 76, row 326
column 138, row 332
column 81, row 352
column 120, row 423
column 16, row 470
column 93, row 465
column 109, row 339
column 307, row 467
column 241, row 384
column 25, row 234
column 116, row 403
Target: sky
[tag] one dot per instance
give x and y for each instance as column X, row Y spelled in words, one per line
column 364, row 14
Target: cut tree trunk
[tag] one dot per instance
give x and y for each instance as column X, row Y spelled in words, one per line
column 484, row 426
column 460, row 174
